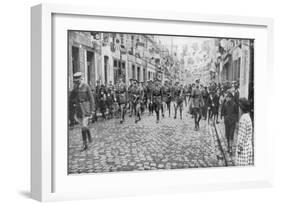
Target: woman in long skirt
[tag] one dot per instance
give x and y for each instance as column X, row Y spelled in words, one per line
column 244, row 150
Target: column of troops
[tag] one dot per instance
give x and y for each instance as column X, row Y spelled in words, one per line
column 117, row 100
column 110, row 101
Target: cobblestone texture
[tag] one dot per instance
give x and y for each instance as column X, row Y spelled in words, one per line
column 170, row 144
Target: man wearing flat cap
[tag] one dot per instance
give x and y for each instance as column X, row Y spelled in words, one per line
column 84, row 107
column 230, row 112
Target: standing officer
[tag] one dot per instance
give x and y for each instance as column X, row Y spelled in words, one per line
column 84, row 107
column 157, row 98
column 167, row 97
column 121, row 97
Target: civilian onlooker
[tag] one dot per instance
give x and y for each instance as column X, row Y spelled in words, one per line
column 244, row 150
column 217, row 105
column 230, row 113
column 221, row 101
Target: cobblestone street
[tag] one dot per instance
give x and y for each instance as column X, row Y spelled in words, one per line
column 170, row 144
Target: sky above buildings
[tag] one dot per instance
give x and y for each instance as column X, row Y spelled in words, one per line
column 180, row 42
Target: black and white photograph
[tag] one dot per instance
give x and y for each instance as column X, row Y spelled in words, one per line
column 139, row 101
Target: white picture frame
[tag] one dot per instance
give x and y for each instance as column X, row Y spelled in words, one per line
column 49, row 183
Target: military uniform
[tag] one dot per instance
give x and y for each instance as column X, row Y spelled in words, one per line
column 157, row 98
column 102, row 96
column 149, row 90
column 121, row 96
column 178, row 97
column 185, row 94
column 167, row 98
column 197, row 104
column 205, row 96
column 136, row 94
column 83, row 100
column 110, row 99
column 142, row 99
column 96, row 97
column 130, row 97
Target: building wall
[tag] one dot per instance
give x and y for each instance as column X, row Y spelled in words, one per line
column 245, row 69
column 106, row 46
column 83, row 42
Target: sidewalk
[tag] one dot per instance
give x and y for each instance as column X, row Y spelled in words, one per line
column 220, row 128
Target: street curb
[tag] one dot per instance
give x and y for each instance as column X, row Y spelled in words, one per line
column 224, row 145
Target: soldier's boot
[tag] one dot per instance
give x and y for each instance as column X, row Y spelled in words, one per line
column 151, row 109
column 199, row 118
column 181, row 115
column 123, row 114
column 103, row 116
column 131, row 110
column 121, row 121
column 195, row 122
column 84, row 138
column 137, row 117
column 169, row 108
column 90, row 139
column 157, row 116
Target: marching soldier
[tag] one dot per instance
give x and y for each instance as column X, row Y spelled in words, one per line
column 130, row 97
column 205, row 96
column 178, row 97
column 102, row 96
column 84, row 107
column 197, row 103
column 143, row 96
column 157, row 98
column 110, row 98
column 121, row 97
column 167, row 97
column 149, row 97
column 136, row 94
column 185, row 93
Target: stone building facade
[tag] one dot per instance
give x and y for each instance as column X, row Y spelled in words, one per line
column 107, row 57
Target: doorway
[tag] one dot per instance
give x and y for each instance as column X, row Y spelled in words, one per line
column 90, row 68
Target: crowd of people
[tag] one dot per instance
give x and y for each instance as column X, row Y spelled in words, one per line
column 212, row 102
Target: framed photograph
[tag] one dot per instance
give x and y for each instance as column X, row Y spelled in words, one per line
column 138, row 102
